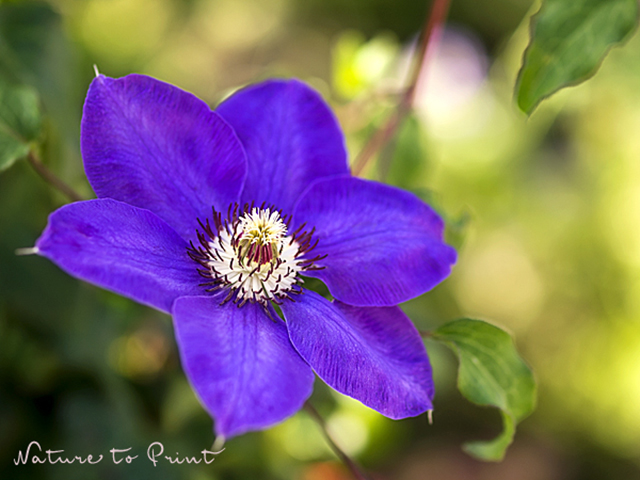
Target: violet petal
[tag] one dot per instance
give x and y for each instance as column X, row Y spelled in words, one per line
column 373, row 354
column 384, row 245
column 125, row 249
column 240, row 363
column 291, row 138
column 154, row 146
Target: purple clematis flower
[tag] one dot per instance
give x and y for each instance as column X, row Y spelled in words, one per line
column 214, row 216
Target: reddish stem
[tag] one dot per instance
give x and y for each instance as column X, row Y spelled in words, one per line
column 51, row 178
column 435, row 17
column 349, row 463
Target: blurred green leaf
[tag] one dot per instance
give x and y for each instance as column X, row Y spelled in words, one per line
column 27, row 40
column 403, row 160
column 20, row 122
column 569, row 39
column 491, row 373
column 35, row 51
column 457, row 229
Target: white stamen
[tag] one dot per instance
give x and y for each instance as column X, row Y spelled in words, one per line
column 262, row 226
column 259, row 277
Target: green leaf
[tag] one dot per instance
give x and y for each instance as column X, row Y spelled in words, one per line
column 20, row 122
column 491, row 373
column 569, row 39
column 403, row 159
column 31, row 43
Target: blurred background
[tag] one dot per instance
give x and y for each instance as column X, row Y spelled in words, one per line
column 545, row 214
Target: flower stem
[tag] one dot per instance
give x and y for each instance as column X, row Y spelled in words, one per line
column 349, row 463
column 51, row 178
column 381, row 137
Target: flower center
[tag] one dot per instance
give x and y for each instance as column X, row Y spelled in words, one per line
column 252, row 255
column 261, row 236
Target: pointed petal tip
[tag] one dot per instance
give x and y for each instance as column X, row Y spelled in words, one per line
column 21, row 252
column 218, row 444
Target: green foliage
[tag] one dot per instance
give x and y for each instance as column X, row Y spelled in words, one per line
column 26, row 44
column 28, row 41
column 491, row 373
column 569, row 39
column 20, row 122
column 404, row 159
